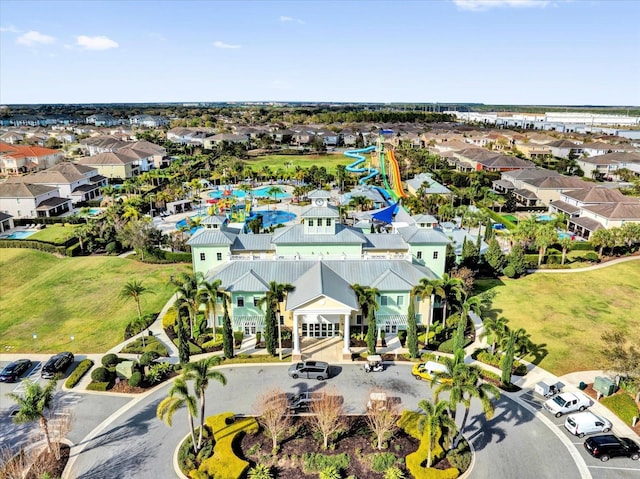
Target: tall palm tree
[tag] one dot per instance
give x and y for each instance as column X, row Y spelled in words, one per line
column 463, row 383
column 429, row 288
column 602, row 239
column 272, row 299
column 179, row 396
column 453, row 292
column 545, row 235
column 434, row 417
column 187, row 289
column 565, row 244
column 208, row 295
column 134, row 290
column 201, row 373
column 274, row 191
column 32, row 406
column 367, row 299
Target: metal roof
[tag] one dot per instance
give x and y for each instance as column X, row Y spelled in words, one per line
column 385, row 241
column 211, row 237
column 320, row 212
column 249, row 281
column 414, row 235
column 259, row 242
column 295, row 234
column 318, row 281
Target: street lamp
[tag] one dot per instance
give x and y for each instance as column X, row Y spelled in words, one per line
column 35, row 347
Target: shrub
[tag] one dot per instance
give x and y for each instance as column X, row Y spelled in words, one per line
column 260, row 471
column 383, row 461
column 169, row 318
column 158, row 372
column 258, row 337
column 509, row 271
column 316, row 462
column 78, row 373
column 151, row 344
column 495, row 360
column 213, row 345
column 97, row 386
column 330, row 472
column 394, row 472
column 460, row 458
column 135, row 380
column 111, row 248
column 623, row 406
column 109, row 360
column 148, row 357
column 592, row 256
column 402, row 336
column 581, row 246
column 238, row 336
column 101, row 375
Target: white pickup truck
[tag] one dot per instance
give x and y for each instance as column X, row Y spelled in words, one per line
column 567, row 402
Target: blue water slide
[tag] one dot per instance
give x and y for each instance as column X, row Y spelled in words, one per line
column 353, row 167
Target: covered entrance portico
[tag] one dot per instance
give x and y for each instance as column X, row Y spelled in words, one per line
column 326, row 323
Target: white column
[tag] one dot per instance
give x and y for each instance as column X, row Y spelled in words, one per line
column 296, row 335
column 347, row 334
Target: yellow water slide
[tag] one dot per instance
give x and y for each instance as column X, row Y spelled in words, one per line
column 395, row 175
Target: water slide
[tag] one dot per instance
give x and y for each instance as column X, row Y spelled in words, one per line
column 395, row 175
column 353, row 167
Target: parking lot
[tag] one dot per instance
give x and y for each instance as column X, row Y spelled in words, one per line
column 615, row 468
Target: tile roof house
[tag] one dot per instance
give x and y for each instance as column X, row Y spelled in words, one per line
column 321, row 258
column 113, row 165
column 16, row 159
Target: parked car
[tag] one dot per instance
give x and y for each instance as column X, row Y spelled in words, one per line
column 56, row 364
column 567, row 402
column 586, row 422
column 310, row 370
column 12, row 371
column 426, row 370
column 608, row 446
column 302, row 402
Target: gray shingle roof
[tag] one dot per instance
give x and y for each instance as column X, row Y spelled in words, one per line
column 23, row 190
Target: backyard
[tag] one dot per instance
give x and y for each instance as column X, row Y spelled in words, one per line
column 568, row 312
column 56, row 298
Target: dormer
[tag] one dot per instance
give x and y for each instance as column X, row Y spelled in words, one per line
column 216, row 222
column 425, row 221
column 320, row 217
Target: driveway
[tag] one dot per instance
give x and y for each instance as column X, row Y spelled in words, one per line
column 137, row 445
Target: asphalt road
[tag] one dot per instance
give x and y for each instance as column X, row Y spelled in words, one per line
column 137, row 445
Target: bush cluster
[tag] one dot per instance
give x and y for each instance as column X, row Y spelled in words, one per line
column 110, row 359
column 78, row 373
column 383, row 461
column 316, row 462
column 101, row 375
column 486, row 357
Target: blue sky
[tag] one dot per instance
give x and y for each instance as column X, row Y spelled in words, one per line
column 488, row 51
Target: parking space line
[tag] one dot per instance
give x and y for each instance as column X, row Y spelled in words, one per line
column 615, row 468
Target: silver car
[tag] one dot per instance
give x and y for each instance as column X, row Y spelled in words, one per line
column 310, row 370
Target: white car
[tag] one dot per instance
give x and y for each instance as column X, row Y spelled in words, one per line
column 586, row 423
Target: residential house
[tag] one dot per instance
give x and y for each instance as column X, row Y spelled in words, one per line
column 428, row 184
column 23, row 200
column 321, row 258
column 213, row 141
column 563, row 148
column 6, row 222
column 102, row 120
column 478, row 159
column 283, row 137
column 187, row 136
column 542, row 191
column 17, row 159
column 349, row 138
column 78, row 183
column 101, row 144
column 533, row 151
column 148, row 121
column 149, row 154
column 113, row 164
column 12, row 137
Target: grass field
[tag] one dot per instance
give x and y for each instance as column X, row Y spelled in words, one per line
column 57, row 298
column 55, row 233
column 568, row 312
column 303, row 161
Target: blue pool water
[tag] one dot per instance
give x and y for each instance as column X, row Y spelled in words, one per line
column 183, row 222
column 544, row 218
column 274, row 217
column 257, row 193
column 564, row 234
column 18, row 235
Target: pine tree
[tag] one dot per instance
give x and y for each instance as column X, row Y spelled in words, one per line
column 183, row 341
column 516, row 259
column 469, row 257
column 494, row 256
column 412, row 330
column 227, row 331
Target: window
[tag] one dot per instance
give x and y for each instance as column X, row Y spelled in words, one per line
column 400, row 300
column 219, row 256
column 310, row 221
column 384, row 300
column 240, row 302
column 328, row 221
column 319, row 221
column 358, row 319
column 435, row 255
column 256, row 300
column 419, row 255
column 219, row 320
column 202, row 256
column 281, row 320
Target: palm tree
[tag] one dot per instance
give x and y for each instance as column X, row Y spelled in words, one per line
column 430, row 288
column 272, row 299
column 209, row 294
column 179, row 396
column 274, row 191
column 602, row 239
column 464, row 383
column 33, row 405
column 565, row 244
column 367, row 299
column 434, row 418
column 545, row 235
column 494, row 328
column 134, row 290
column 515, row 341
column 200, row 372
column 187, row 286
column 453, row 292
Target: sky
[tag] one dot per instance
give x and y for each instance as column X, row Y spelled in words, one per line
column 524, row 52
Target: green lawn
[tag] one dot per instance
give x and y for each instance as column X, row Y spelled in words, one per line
column 303, row 161
column 569, row 312
column 55, row 233
column 57, row 298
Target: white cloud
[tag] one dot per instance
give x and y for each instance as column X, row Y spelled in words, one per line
column 285, row 19
column 479, row 5
column 95, row 43
column 32, row 38
column 223, row 45
column 10, row 29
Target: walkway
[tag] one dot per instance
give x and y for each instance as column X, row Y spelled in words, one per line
column 588, row 268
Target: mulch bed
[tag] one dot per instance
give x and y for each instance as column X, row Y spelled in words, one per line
column 357, row 442
column 48, row 464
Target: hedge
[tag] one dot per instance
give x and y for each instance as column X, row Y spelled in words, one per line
column 78, row 373
column 100, row 375
column 109, row 359
column 169, row 318
column 495, row 360
column 95, row 386
column 151, row 344
column 499, row 219
column 581, row 246
column 623, row 406
column 32, row 244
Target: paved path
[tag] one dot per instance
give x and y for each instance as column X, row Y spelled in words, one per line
column 588, row 268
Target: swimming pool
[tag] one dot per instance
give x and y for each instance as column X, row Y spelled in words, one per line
column 273, row 217
column 183, row 222
column 18, row 235
column 257, row 193
column 564, row 235
column 544, row 218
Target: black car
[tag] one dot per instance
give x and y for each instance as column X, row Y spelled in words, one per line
column 56, row 364
column 12, row 372
column 607, row 446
